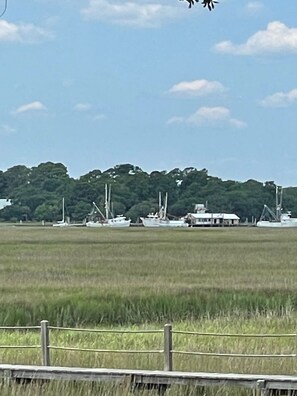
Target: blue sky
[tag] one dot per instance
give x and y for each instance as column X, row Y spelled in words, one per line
column 94, row 84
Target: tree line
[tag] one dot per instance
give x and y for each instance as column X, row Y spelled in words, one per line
column 36, row 193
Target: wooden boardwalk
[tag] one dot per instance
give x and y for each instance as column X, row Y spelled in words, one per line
column 262, row 384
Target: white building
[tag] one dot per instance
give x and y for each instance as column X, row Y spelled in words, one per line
column 4, row 202
column 201, row 218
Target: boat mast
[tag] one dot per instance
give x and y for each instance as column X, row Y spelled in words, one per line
column 165, row 206
column 160, row 203
column 106, row 202
column 278, row 202
column 63, row 210
column 160, row 211
column 110, row 209
column 162, row 208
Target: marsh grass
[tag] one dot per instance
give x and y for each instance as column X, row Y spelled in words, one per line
column 109, row 389
column 86, row 276
column 181, row 342
column 209, row 280
column 260, row 324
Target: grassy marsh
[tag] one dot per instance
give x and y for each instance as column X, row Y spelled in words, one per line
column 86, row 276
column 213, row 280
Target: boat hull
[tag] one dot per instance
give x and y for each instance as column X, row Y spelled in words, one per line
column 118, row 223
column 61, row 224
column 277, row 224
column 114, row 223
column 173, row 223
column 156, row 222
column 150, row 222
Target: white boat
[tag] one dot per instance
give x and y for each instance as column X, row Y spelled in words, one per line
column 62, row 223
column 107, row 220
column 278, row 219
column 118, row 221
column 151, row 220
column 160, row 218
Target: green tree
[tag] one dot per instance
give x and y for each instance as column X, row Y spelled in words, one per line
column 80, row 211
column 37, row 193
column 46, row 211
column 140, row 210
column 15, row 178
column 92, row 177
column 192, row 175
column 290, row 200
column 3, row 185
column 15, row 213
column 49, row 176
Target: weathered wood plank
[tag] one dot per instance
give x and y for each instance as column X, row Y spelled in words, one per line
column 148, row 377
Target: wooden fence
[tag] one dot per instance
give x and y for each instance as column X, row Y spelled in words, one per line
column 168, row 350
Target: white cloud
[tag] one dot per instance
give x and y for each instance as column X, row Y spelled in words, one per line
column 22, row 33
column 135, row 14
column 277, row 38
column 68, row 82
column 99, row 117
column 254, row 7
column 34, row 106
column 196, row 88
column 209, row 116
column 280, row 99
column 175, row 120
column 82, row 107
column 6, row 129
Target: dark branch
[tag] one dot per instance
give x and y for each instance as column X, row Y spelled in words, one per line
column 210, row 4
column 4, row 9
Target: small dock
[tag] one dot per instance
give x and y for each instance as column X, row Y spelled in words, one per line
column 262, row 385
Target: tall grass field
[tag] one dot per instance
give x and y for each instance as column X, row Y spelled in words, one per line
column 227, row 280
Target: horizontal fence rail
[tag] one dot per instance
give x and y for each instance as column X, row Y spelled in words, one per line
column 235, row 335
column 168, row 351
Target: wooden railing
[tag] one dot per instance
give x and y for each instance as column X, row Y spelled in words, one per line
column 168, row 346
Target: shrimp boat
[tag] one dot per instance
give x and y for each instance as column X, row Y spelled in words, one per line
column 160, row 218
column 279, row 219
column 107, row 220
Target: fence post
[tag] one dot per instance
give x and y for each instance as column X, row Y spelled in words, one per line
column 45, row 350
column 168, row 347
